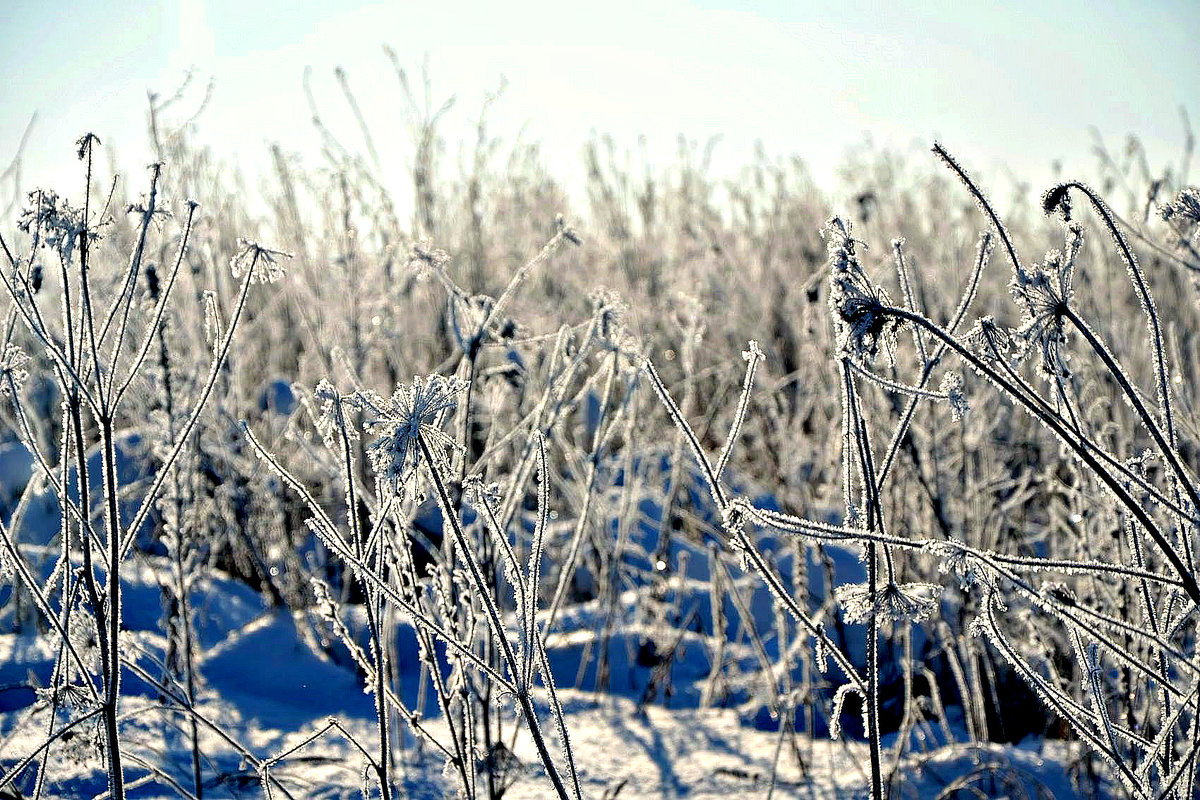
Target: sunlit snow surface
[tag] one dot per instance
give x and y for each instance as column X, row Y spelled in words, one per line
column 266, row 683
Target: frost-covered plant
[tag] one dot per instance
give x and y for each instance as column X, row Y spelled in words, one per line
column 855, row 301
column 1185, row 207
column 895, row 602
column 1070, row 555
column 1153, row 761
column 94, row 364
column 413, row 421
column 400, row 423
column 411, row 455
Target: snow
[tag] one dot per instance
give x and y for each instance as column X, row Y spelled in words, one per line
column 268, row 685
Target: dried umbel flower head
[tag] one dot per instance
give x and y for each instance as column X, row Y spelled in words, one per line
column 1058, row 199
column 401, row 420
column 990, row 341
column 81, row 629
column 857, row 305
column 1045, row 294
column 895, row 602
column 68, row 695
column 12, row 368
column 261, row 262
column 328, row 418
column 610, row 311
column 56, row 221
column 480, row 491
column 1185, row 207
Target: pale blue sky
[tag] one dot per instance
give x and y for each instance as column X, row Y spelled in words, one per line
column 1015, row 83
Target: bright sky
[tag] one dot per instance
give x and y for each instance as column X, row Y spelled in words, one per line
column 1015, row 83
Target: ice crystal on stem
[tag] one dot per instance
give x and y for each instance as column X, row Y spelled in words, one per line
column 952, row 387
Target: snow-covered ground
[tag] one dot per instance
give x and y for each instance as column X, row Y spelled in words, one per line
column 267, row 685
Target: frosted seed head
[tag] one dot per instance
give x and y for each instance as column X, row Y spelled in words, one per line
column 990, row 341
column 1057, row 200
column 56, row 221
column 411, row 412
column 1044, row 293
column 328, row 419
column 84, row 144
column 895, row 602
column 81, row 630
column 480, row 492
column 13, row 373
column 857, row 306
column 259, row 262
column 1185, row 207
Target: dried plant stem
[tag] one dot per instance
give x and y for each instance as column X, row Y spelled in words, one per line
column 498, row 627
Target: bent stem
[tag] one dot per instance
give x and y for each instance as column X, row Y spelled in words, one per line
column 1056, row 426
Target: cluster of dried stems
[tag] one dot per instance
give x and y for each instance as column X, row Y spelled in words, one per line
column 547, row 466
